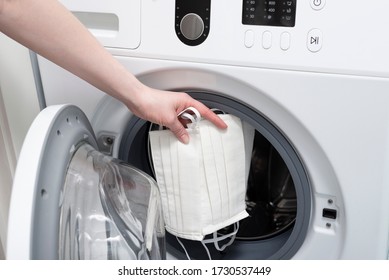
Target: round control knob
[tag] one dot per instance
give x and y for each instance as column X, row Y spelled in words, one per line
column 192, row 26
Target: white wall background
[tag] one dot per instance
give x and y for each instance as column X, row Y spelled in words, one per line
column 18, row 107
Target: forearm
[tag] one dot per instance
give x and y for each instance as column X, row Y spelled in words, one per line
column 47, row 28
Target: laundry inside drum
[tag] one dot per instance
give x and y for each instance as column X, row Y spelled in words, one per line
column 271, row 196
column 271, row 203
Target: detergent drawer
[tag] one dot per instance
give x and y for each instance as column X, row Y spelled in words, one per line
column 116, row 23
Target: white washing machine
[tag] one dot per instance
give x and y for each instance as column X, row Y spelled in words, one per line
column 311, row 76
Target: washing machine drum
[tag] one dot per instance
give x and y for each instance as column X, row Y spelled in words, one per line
column 69, row 201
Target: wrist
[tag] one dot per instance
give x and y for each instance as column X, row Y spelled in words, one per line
column 131, row 93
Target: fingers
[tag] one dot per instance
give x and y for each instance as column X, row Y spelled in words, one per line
column 210, row 115
column 179, row 131
column 163, row 107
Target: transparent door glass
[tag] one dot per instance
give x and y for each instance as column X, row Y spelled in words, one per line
column 109, row 210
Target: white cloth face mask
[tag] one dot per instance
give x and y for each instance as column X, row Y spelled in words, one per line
column 203, row 183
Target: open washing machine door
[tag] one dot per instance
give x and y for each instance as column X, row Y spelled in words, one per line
column 69, row 201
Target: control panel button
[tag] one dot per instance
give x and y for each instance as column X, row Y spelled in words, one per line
column 192, row 26
column 249, row 38
column 315, row 40
column 266, row 40
column 285, row 41
column 192, row 21
column 317, row 4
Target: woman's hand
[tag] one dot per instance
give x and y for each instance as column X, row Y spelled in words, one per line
column 162, row 107
column 49, row 29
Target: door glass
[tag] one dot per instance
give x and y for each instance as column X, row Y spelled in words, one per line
column 109, row 210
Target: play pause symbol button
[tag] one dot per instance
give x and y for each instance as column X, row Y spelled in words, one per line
column 315, row 40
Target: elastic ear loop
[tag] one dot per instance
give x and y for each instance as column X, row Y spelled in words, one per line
column 215, row 240
column 216, row 111
column 193, row 118
column 183, row 247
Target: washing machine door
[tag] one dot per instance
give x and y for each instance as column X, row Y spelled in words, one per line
column 69, row 201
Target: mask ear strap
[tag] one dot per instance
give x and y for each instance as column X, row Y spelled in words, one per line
column 186, row 252
column 194, row 118
column 183, row 247
column 218, row 111
column 216, row 239
column 232, row 235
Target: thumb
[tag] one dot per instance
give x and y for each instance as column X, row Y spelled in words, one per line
column 180, row 132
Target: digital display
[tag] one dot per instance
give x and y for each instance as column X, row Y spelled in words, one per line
column 269, row 12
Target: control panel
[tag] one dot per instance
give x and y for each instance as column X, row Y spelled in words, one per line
column 269, row 12
column 192, row 21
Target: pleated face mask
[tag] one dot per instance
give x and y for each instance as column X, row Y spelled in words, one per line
column 203, row 183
